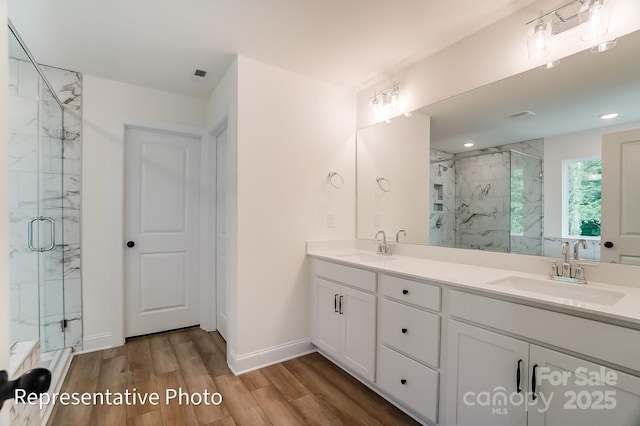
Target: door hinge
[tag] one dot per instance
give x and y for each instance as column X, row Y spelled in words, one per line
column 64, row 323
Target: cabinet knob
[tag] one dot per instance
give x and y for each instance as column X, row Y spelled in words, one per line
column 403, row 381
column 405, row 291
column 404, row 331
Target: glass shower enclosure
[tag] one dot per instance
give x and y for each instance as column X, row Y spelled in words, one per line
column 487, row 201
column 36, row 204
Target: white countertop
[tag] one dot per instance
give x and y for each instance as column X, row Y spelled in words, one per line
column 477, row 278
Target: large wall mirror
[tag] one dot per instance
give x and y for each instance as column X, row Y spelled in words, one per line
column 532, row 178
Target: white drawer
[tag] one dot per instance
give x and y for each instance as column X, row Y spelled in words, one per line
column 410, row 382
column 365, row 280
column 413, row 292
column 410, row 330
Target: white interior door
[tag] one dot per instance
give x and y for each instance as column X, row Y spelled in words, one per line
column 222, row 248
column 162, row 205
column 621, row 198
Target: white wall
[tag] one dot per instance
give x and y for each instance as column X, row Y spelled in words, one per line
column 564, row 147
column 4, row 201
column 494, row 53
column 222, row 106
column 399, row 152
column 107, row 107
column 292, row 131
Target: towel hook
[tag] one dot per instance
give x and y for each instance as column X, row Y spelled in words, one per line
column 336, row 180
column 384, row 184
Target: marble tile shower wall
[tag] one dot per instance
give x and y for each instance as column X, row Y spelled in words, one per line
column 443, row 198
column 68, row 87
column 484, row 203
column 34, row 121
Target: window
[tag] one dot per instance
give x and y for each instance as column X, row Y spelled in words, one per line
column 582, row 193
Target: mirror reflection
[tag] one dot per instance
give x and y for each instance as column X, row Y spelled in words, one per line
column 533, row 176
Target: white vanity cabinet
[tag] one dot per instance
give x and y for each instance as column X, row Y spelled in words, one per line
column 409, row 343
column 490, row 376
column 344, row 315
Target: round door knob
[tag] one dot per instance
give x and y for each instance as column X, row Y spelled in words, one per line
column 130, row 244
column 405, row 291
column 608, row 244
column 404, row 331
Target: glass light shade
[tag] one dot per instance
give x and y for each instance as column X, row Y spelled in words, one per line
column 539, row 38
column 594, row 19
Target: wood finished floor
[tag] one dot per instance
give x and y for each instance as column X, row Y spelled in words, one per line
column 308, row 390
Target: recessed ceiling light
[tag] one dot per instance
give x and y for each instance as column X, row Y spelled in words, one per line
column 468, row 144
column 608, row 116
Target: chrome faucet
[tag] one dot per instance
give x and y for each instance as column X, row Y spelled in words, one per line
column 398, row 235
column 576, row 248
column 565, row 273
column 383, row 248
column 566, row 265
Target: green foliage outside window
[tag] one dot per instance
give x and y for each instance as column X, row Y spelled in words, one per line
column 584, row 183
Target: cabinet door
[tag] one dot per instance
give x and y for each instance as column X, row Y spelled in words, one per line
column 572, row 391
column 328, row 322
column 482, row 377
column 359, row 331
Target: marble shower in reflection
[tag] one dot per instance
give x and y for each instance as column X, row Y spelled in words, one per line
column 489, row 199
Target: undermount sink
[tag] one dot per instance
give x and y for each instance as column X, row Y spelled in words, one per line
column 365, row 257
column 573, row 294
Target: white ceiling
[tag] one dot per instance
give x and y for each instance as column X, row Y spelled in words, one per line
column 159, row 43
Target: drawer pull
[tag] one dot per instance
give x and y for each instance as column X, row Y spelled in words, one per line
column 405, row 291
column 403, row 381
column 404, row 331
column 533, row 383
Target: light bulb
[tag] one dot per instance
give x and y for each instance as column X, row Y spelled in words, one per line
column 539, row 39
column 595, row 26
column 395, row 99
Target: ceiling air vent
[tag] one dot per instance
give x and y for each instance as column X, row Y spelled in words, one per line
column 200, row 73
column 522, row 114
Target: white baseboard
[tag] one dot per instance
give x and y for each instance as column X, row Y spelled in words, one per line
column 265, row 357
column 97, row 342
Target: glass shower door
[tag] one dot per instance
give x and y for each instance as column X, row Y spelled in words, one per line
column 51, row 232
column 36, row 205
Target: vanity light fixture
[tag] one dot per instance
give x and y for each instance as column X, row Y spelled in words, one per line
column 591, row 15
column 608, row 116
column 386, row 103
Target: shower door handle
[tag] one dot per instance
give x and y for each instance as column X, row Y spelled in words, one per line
column 52, row 243
column 30, row 234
